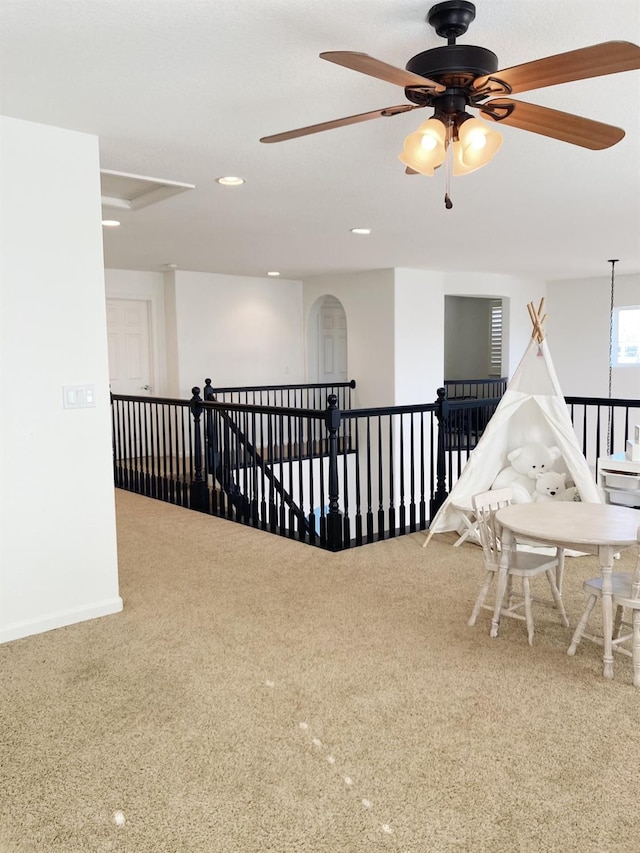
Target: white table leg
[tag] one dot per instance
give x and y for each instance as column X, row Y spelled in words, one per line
column 505, row 560
column 605, row 553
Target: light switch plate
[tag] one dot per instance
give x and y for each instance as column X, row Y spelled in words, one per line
column 78, row 396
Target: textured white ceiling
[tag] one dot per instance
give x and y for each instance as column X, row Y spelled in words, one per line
column 184, row 89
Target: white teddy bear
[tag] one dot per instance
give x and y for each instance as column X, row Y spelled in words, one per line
column 550, row 486
column 526, row 463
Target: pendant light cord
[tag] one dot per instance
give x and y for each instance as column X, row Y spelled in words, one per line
column 613, row 262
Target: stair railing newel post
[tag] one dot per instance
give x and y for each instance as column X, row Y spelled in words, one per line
column 199, row 494
column 334, row 518
column 442, row 414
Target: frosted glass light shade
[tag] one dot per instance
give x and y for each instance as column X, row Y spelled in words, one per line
column 425, row 148
column 476, row 145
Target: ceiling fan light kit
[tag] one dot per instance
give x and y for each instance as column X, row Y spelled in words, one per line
column 454, row 78
column 473, row 145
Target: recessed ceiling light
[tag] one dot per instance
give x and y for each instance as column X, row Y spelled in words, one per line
column 230, row 181
column 110, row 223
column 273, row 272
column 361, row 230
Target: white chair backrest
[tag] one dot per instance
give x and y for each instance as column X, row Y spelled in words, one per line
column 485, row 505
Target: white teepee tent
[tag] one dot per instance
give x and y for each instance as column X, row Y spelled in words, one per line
column 532, row 409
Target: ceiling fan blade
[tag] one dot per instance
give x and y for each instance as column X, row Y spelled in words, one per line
column 410, row 171
column 340, row 122
column 610, row 57
column 375, row 68
column 553, row 123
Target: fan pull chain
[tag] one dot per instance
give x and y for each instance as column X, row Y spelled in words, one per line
column 448, row 169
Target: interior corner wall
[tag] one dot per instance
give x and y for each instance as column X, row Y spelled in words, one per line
column 419, row 335
column 368, row 301
column 579, row 321
column 467, row 349
column 516, row 293
column 237, row 330
column 58, row 559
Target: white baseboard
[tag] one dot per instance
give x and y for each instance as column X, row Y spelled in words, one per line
column 59, row 620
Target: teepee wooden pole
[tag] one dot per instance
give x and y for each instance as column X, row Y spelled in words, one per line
column 537, row 320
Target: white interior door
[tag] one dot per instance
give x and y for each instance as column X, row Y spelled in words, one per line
column 332, row 339
column 129, row 347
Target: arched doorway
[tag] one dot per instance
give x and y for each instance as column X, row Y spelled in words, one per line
column 327, row 342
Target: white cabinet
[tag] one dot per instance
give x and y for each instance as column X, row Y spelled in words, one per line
column 619, row 479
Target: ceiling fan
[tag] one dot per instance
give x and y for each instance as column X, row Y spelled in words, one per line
column 453, row 78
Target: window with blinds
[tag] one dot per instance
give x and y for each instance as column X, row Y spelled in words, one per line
column 495, row 338
column 625, row 336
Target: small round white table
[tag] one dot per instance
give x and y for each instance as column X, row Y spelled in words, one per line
column 595, row 528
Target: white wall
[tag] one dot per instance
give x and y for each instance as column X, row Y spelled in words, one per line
column 237, row 330
column 58, row 562
column 419, row 336
column 368, row 300
column 578, row 333
column 395, row 323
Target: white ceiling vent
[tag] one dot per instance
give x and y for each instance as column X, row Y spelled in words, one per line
column 131, row 192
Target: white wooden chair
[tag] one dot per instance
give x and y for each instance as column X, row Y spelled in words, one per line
column 626, row 596
column 524, row 565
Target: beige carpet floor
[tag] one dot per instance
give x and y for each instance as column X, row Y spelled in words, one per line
column 259, row 695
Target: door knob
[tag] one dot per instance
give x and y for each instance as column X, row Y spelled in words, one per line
column 145, row 387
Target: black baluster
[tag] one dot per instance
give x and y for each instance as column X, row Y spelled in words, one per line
column 423, row 505
column 282, row 514
column 302, row 531
column 114, row 440
column 255, row 512
column 264, row 449
column 412, row 477
column 292, row 452
column 165, row 490
column 147, row 452
column 612, row 431
column 369, row 485
column 273, row 514
column 380, row 482
column 172, row 494
column 345, row 485
column 183, row 478
column 358, row 492
column 311, row 448
column 130, row 483
column 392, row 509
column 140, row 446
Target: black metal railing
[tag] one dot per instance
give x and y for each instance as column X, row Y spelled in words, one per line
column 328, row 477
column 301, row 396
column 475, row 389
column 270, row 467
column 603, row 425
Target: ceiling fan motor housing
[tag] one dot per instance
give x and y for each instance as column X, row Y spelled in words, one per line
column 454, row 65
